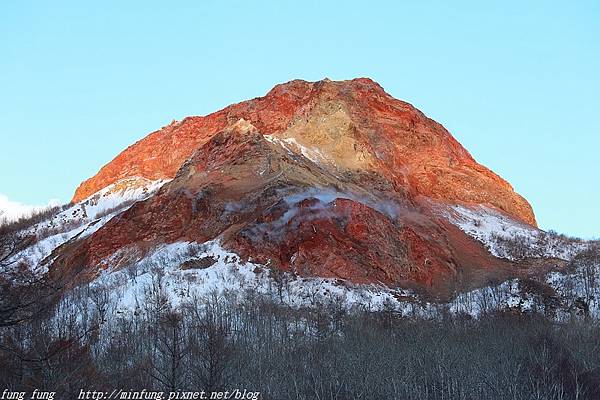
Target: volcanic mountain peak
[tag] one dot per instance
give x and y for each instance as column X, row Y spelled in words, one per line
column 326, row 179
column 349, row 125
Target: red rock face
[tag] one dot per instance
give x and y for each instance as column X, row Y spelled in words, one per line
column 285, row 211
column 354, row 124
column 160, row 154
column 329, row 179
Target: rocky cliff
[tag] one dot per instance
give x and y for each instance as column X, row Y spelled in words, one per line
column 350, row 125
column 328, row 179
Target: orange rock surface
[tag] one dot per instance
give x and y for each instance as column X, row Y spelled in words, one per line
column 329, row 179
column 348, row 125
column 282, row 210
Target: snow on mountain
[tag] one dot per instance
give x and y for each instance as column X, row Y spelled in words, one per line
column 344, row 214
column 349, row 136
column 559, row 295
column 185, row 270
column 80, row 220
column 113, row 197
column 293, row 147
column 181, row 273
column 508, row 238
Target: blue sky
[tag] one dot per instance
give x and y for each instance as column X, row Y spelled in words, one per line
column 517, row 83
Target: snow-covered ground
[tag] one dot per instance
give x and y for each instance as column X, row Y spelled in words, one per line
column 125, row 191
column 183, row 271
column 80, row 220
column 130, row 289
column 294, row 147
column 560, row 295
column 507, row 238
column 578, row 289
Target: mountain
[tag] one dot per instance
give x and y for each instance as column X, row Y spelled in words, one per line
column 334, row 181
column 352, row 125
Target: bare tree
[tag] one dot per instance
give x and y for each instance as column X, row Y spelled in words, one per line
column 211, row 344
column 166, row 366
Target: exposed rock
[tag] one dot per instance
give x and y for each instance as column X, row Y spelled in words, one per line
column 329, row 179
column 351, row 125
column 287, row 212
column 198, row 263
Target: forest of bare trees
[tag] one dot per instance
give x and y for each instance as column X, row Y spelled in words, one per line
column 216, row 343
column 66, row 341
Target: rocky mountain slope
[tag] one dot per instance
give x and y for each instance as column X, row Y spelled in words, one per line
column 316, row 180
column 351, row 125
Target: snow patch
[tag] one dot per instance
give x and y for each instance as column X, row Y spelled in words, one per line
column 81, row 220
column 294, row 147
column 181, row 273
column 507, row 238
column 559, row 295
column 130, row 287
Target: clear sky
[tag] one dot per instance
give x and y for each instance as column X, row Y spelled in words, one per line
column 517, row 83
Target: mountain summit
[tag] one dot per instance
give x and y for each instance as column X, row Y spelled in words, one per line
column 344, row 126
column 316, row 179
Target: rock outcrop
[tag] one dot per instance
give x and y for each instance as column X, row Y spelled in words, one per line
column 329, row 179
column 351, row 125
